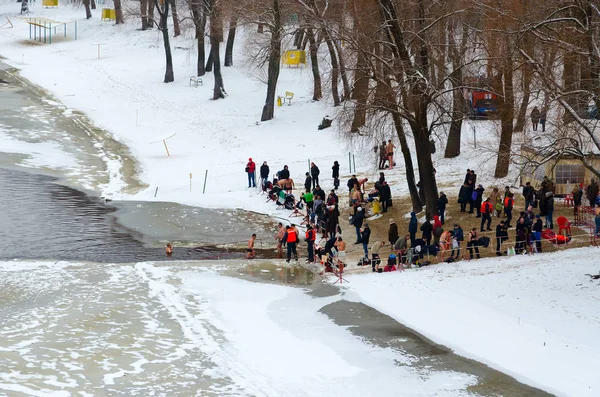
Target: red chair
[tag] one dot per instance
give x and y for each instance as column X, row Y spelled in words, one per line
column 568, row 200
column 563, row 224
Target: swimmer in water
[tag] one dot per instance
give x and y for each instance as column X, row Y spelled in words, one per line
column 169, row 249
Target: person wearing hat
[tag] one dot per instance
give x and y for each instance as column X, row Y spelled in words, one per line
column 250, row 170
column 501, row 236
column 359, row 218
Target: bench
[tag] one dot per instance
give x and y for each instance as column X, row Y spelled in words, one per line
column 288, row 97
column 196, row 81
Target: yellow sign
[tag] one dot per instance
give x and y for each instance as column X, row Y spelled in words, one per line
column 108, row 13
column 49, row 3
column 294, row 57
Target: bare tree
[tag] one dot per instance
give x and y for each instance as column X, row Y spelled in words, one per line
column 176, row 27
column 118, row 13
column 199, row 14
column 163, row 10
column 275, row 28
column 230, row 39
column 216, row 33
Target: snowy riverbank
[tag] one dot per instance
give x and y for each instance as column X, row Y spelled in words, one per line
column 533, row 317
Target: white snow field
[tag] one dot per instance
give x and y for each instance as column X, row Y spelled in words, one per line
column 535, row 318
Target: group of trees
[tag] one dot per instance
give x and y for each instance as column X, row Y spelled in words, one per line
column 405, row 65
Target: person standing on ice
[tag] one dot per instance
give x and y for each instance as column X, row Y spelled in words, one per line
column 291, row 236
column 250, row 170
column 311, row 236
column 307, row 182
column 280, row 241
column 264, row 174
column 314, row 172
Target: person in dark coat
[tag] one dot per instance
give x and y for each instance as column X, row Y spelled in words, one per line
column 264, row 173
column 478, row 193
column 365, row 235
column 464, row 196
column 592, row 192
column 535, row 117
column 314, row 172
column 528, row 195
column 318, row 192
column 427, row 229
column 537, row 233
column 307, row 182
column 543, row 119
column 382, row 155
column 412, row 228
column 335, row 174
column 351, row 182
column 442, row 203
column 501, row 236
column 284, row 173
column 549, row 209
column 359, row 218
column 392, row 233
column 467, row 176
column 385, row 195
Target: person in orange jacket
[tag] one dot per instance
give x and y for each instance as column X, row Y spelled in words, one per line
column 291, row 237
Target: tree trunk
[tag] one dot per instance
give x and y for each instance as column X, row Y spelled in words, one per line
column 164, row 16
column 88, row 12
column 151, row 6
column 334, row 68
column 199, row 14
column 343, row 74
column 176, row 27
column 230, row 41
column 118, row 13
column 215, row 36
column 427, row 180
column 390, row 104
column 298, row 38
column 273, row 71
column 144, row 12
column 570, row 84
column 522, row 115
column 506, row 119
column 314, row 62
column 458, row 114
column 210, row 59
column 360, row 92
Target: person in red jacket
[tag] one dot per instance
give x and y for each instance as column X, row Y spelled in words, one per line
column 486, row 214
column 291, row 236
column 250, row 170
column 311, row 236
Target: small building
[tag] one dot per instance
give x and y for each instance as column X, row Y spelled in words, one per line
column 564, row 169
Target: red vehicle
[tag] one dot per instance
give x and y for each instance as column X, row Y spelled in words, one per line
column 482, row 103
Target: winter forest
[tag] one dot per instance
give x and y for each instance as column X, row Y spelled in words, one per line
column 409, row 64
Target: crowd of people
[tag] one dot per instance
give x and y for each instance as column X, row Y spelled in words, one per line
column 322, row 215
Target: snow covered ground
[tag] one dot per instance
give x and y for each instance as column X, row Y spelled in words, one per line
column 533, row 317
column 123, row 92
